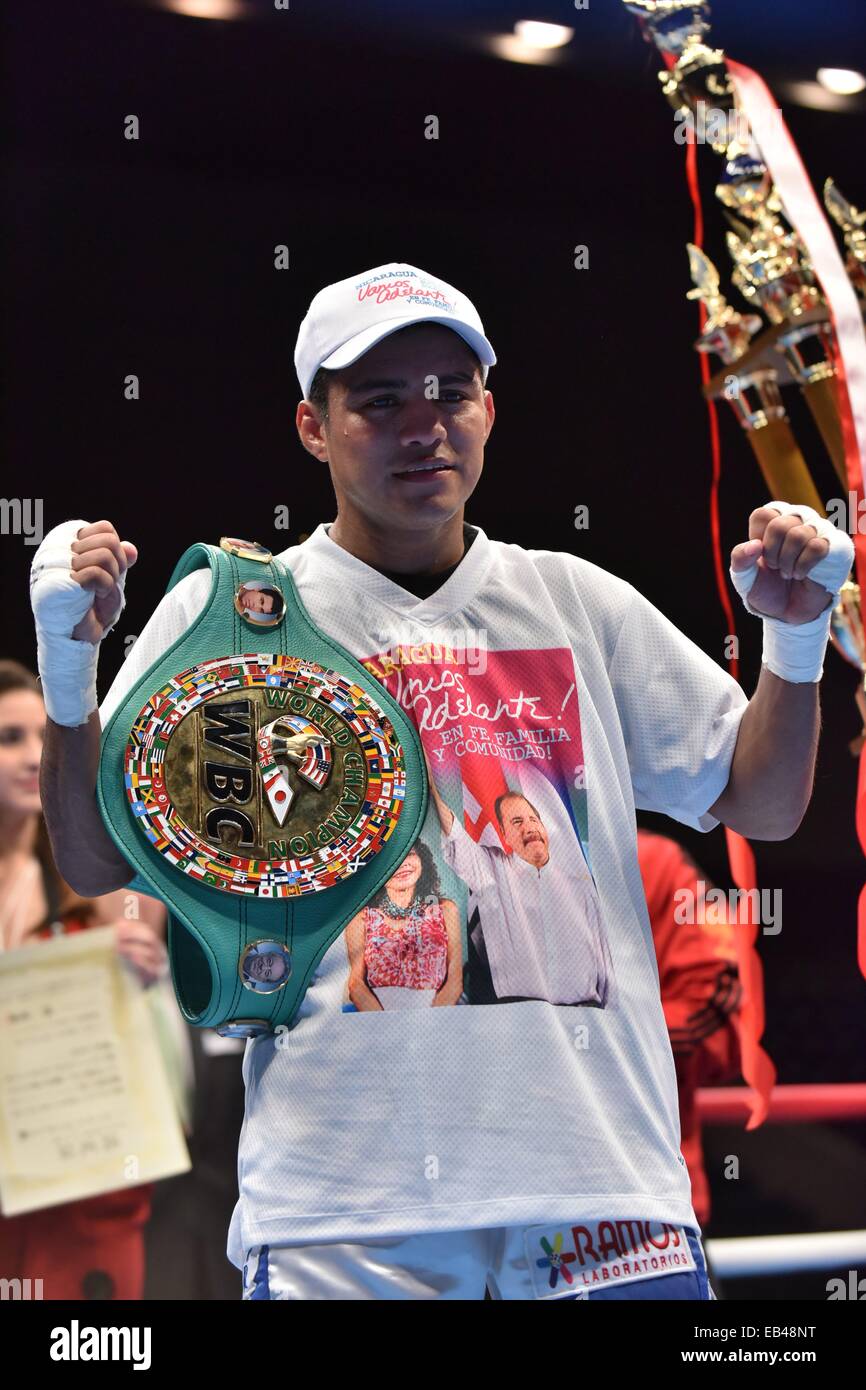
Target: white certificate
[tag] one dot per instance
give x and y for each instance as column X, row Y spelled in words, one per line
column 86, row 1105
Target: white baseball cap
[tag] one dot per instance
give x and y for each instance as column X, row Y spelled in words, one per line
column 351, row 316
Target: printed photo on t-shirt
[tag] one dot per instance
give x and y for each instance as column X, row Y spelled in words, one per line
column 405, row 947
column 495, row 902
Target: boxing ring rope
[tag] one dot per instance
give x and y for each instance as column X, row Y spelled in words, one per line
column 741, row 1256
column 788, row 1104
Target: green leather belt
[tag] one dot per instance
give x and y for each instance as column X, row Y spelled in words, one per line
column 262, row 784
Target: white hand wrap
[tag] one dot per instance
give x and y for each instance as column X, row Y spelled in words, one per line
column 795, row 652
column 67, row 667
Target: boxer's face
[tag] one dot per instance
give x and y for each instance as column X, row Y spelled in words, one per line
column 382, row 419
column 22, row 729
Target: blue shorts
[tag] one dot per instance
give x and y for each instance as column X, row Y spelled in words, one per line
column 635, row 1260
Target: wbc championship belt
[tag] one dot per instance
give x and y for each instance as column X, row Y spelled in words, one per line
column 264, row 785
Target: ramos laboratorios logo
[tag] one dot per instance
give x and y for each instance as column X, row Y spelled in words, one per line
column 265, row 775
column 604, row 1253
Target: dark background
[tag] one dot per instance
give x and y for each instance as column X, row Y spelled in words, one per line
column 306, row 128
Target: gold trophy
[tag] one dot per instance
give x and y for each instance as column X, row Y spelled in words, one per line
column 772, row 265
column 699, row 75
column 773, row 272
column 772, row 269
column 752, row 390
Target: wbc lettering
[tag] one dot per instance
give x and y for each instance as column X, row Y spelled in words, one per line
column 230, row 732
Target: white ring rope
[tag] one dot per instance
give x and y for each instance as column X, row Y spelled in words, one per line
column 739, row 1256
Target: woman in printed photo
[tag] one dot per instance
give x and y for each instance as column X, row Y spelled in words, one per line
column 405, row 948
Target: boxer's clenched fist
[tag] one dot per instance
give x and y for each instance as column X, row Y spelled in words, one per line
column 100, row 560
column 76, row 590
column 77, row 579
column 793, row 564
column 789, row 572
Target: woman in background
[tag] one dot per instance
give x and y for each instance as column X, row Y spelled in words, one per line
column 94, row 1247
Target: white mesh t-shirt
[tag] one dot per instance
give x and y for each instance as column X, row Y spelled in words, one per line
column 515, row 1066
